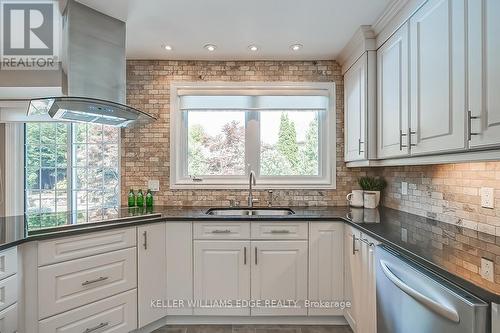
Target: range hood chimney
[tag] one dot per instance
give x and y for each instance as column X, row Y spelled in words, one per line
column 94, row 72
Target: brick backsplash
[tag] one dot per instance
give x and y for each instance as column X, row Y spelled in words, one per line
column 446, row 192
column 145, row 151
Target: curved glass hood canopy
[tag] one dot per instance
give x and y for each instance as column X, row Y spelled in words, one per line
column 88, row 110
column 93, row 69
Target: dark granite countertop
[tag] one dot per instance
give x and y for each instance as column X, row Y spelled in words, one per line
column 449, row 250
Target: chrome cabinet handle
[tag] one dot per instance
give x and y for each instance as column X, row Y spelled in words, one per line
column 469, row 125
column 440, row 309
column 145, row 244
column 92, row 329
column 359, row 146
column 280, row 231
column 99, row 279
column 226, row 231
column 409, row 137
column 401, row 134
column 354, row 239
column 245, row 255
column 256, row 255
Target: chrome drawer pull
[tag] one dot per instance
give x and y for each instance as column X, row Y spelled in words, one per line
column 280, row 231
column 99, row 279
column 92, row 329
column 226, row 231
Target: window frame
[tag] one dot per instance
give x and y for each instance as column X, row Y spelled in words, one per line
column 178, row 137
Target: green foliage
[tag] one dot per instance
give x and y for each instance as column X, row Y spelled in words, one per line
column 372, row 183
column 287, row 140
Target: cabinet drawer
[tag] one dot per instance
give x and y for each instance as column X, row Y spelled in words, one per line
column 8, row 319
column 74, row 247
column 71, row 284
column 8, row 292
column 279, row 230
column 222, row 230
column 8, row 262
column 114, row 314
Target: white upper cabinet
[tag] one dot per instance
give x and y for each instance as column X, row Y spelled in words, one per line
column 392, row 93
column 484, row 72
column 355, row 110
column 360, row 113
column 437, row 87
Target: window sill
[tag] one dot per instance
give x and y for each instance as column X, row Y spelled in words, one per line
column 258, row 186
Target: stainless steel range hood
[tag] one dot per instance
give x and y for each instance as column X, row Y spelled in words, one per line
column 94, row 72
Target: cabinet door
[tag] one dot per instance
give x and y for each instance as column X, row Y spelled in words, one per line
column 392, row 93
column 151, row 272
column 484, row 71
column 352, row 278
column 222, row 273
column 355, row 110
column 367, row 322
column 437, row 34
column 179, row 254
column 326, row 270
column 279, row 272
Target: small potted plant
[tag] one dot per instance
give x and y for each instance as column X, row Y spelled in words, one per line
column 372, row 186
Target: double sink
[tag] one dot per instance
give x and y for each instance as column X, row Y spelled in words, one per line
column 247, row 211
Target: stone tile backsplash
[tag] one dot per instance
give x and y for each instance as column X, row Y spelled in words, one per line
column 145, row 151
column 446, row 192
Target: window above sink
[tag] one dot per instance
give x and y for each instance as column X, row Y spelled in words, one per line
column 284, row 132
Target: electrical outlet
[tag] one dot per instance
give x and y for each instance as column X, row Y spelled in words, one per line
column 154, row 185
column 404, row 188
column 487, row 269
column 487, row 197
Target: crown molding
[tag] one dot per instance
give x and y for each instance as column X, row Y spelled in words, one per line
column 390, row 12
column 363, row 40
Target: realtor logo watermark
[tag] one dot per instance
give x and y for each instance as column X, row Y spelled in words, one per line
column 29, row 34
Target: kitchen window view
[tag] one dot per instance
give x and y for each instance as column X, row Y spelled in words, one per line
column 70, row 168
column 280, row 138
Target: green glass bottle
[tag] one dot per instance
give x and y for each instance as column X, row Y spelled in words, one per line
column 140, row 199
column 149, row 199
column 131, row 198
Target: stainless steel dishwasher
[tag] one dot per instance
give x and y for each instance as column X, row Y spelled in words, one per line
column 411, row 299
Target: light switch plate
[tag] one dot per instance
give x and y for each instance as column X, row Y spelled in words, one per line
column 487, row 197
column 404, row 188
column 487, row 269
column 154, row 185
column 404, row 235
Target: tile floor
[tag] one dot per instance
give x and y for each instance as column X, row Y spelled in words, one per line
column 253, row 329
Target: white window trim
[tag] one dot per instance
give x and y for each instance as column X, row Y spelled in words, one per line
column 178, row 145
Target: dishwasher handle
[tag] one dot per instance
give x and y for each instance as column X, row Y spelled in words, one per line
column 440, row 309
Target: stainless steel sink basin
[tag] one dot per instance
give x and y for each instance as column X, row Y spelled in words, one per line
column 250, row 211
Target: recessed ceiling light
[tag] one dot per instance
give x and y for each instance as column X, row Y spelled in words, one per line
column 210, row 47
column 253, row 48
column 296, row 47
column 168, row 47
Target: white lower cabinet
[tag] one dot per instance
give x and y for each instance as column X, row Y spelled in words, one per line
column 151, row 273
column 117, row 314
column 326, row 273
column 360, row 281
column 221, row 273
column 71, row 284
column 179, row 255
column 279, row 272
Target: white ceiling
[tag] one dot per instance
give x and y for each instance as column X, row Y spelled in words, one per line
column 323, row 27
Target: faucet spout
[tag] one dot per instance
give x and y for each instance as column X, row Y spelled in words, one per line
column 251, row 182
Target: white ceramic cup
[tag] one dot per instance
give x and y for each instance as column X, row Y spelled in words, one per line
column 355, row 198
